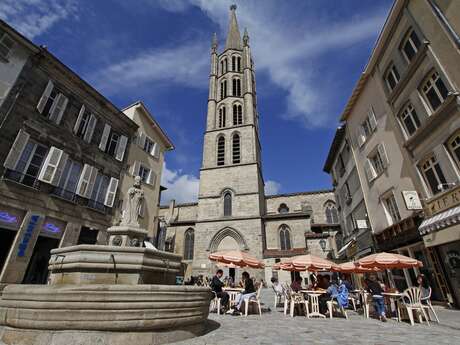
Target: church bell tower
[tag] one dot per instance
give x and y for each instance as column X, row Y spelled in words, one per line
column 231, row 198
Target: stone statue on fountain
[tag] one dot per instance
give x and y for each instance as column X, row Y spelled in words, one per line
column 134, row 204
column 128, row 233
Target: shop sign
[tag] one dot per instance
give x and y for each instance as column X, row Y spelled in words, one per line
column 412, row 200
column 27, row 235
column 52, row 227
column 11, row 218
column 361, row 223
column 443, row 202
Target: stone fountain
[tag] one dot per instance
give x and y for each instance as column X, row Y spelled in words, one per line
column 111, row 294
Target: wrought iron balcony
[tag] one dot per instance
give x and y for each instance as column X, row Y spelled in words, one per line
column 19, row 177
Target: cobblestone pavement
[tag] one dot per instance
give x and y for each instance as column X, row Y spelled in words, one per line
column 276, row 328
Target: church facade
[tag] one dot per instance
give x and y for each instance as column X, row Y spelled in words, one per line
column 232, row 211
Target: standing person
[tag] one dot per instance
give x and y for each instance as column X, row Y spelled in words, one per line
column 248, row 292
column 216, row 286
column 375, row 288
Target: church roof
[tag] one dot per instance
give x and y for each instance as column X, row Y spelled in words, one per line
column 322, row 191
column 233, row 36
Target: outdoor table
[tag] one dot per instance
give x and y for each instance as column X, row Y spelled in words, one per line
column 232, row 294
column 314, row 303
column 394, row 297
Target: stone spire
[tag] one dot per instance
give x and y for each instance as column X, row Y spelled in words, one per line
column 246, row 37
column 214, row 43
column 233, row 37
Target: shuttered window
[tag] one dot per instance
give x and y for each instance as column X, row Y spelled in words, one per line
column 236, row 149
column 68, row 181
column 52, row 104
column 53, row 166
column 222, row 117
column 86, row 181
column 6, row 45
column 237, row 114
column 111, row 192
column 221, row 151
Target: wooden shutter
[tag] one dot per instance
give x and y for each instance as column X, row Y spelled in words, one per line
column 53, row 165
column 136, row 166
column 44, row 98
column 156, row 150
column 121, row 148
column 86, row 181
column 105, row 137
column 372, row 119
column 111, row 192
column 79, row 118
column 383, row 154
column 141, row 139
column 58, row 107
column 370, row 172
column 152, row 178
column 19, row 144
column 90, row 128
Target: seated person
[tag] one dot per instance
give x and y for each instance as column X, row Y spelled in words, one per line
column 277, row 286
column 424, row 287
column 216, row 286
column 346, row 282
column 248, row 292
column 374, row 287
column 296, row 285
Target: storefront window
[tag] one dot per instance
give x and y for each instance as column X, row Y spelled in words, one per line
column 450, row 257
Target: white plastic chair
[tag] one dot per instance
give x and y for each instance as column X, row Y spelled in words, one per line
column 366, row 304
column 278, row 296
column 298, row 299
column 428, row 306
column 254, row 299
column 335, row 304
column 411, row 300
column 215, row 304
column 287, row 297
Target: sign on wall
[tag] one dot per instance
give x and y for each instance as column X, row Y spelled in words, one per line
column 27, row 235
column 443, row 202
column 361, row 223
column 11, row 218
column 412, row 200
column 52, row 227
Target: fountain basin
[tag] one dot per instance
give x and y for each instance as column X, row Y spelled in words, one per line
column 165, row 312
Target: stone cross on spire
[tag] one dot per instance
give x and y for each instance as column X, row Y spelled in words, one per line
column 233, row 36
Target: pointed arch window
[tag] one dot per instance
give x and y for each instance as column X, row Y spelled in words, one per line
column 223, row 66
column 332, row 216
column 233, row 63
column 223, row 89
column 227, row 204
column 222, row 117
column 236, row 154
column 236, row 87
column 237, row 115
column 221, row 151
column 238, row 64
column 285, row 238
column 189, row 244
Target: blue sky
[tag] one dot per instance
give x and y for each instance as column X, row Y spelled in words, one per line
column 308, row 56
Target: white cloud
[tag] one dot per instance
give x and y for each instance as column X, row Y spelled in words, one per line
column 34, row 17
column 181, row 64
column 272, row 187
column 181, row 187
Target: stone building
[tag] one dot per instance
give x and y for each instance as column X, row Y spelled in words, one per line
column 62, row 152
column 145, row 159
column 402, row 121
column 232, row 211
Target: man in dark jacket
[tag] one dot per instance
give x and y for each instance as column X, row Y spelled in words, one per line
column 216, row 286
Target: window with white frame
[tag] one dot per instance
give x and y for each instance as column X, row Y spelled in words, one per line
column 69, row 179
column 392, row 77
column 6, row 44
column 410, row 45
column 144, row 174
column 433, row 175
column 434, row 90
column 99, row 192
column 454, row 147
column 148, row 145
column 409, row 120
column 391, row 209
column 376, row 163
column 367, row 127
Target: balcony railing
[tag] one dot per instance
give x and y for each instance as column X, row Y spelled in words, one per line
column 25, row 179
column 95, row 205
column 64, row 194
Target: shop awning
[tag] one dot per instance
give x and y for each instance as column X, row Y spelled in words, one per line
column 344, row 248
column 440, row 221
